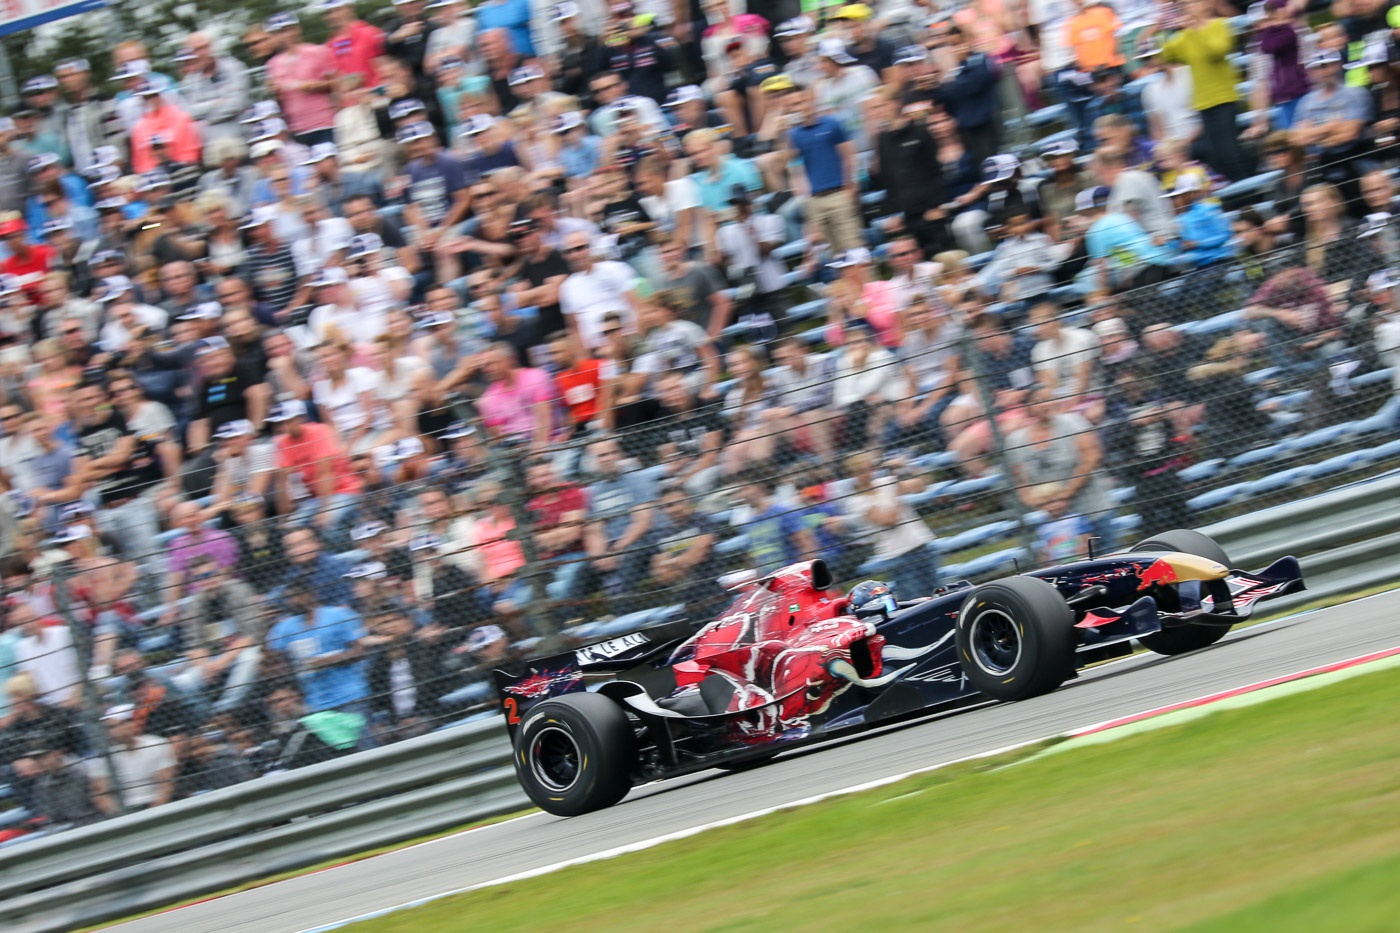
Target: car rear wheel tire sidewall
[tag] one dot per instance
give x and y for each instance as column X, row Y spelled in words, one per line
column 1173, row 641
column 575, row 754
column 1016, row 638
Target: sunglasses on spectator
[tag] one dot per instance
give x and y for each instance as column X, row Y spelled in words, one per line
column 576, row 249
column 72, row 331
column 612, row 331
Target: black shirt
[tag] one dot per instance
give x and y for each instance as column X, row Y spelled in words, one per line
column 537, row 272
column 97, row 441
column 221, row 399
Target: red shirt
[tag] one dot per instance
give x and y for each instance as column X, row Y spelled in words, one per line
column 550, row 508
column 316, row 444
column 35, row 264
column 580, row 388
column 355, row 48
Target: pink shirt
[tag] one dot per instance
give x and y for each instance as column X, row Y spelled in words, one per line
column 304, row 111
column 355, row 48
column 881, row 300
column 501, row 555
column 509, row 410
column 180, row 132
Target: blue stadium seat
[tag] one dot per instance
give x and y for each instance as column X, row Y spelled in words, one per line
column 1377, row 377
column 1319, row 438
column 1276, row 481
column 1127, row 524
column 975, row 536
column 1262, row 375
column 987, row 563
column 793, row 250
column 795, row 278
column 978, row 261
column 872, row 198
column 1203, row 470
column 1121, row 495
column 935, row 461
column 1386, row 451
column 807, row 310
column 1250, row 186
column 930, row 493
column 731, row 546
column 975, row 485
column 1217, row 497
column 1047, row 115
column 1341, row 463
column 467, row 695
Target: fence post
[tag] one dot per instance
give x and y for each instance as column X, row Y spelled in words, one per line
column 973, row 355
column 89, row 710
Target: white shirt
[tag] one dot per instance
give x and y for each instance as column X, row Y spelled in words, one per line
column 356, row 324
column 738, row 243
column 50, row 659
column 1139, row 195
column 114, row 336
column 907, row 533
column 136, row 768
column 1388, row 345
column 17, row 453
column 877, row 377
column 342, row 402
column 585, row 297
column 1169, row 100
column 1064, row 354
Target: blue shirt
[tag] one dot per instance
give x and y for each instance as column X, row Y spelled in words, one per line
column 333, row 630
column 1120, row 240
column 715, row 187
column 616, row 501
column 513, row 15
column 770, row 535
column 819, row 145
column 1204, row 226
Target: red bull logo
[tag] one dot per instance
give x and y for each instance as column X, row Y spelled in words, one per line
column 1159, row 571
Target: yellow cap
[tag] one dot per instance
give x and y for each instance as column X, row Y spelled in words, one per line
column 854, row 11
column 777, row 83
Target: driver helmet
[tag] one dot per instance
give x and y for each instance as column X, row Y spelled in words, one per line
column 868, row 592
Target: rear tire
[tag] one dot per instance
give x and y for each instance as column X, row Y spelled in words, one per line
column 1016, row 638
column 1174, row 641
column 575, row 754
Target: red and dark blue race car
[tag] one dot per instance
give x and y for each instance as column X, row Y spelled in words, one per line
column 792, row 660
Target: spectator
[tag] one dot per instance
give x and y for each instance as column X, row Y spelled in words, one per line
column 873, row 506
column 828, row 157
column 35, row 725
column 1205, row 46
column 323, row 637
column 310, row 452
column 594, row 289
column 622, row 513
column 46, row 654
column 404, row 677
column 144, row 766
column 1054, row 460
column 215, row 87
column 681, row 544
column 354, row 43
column 776, row 536
column 302, row 75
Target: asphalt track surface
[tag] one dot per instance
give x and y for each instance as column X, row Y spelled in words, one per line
column 1130, row 686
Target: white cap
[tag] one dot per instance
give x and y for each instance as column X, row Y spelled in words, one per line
column 834, row 48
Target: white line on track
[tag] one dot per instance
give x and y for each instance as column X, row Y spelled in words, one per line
column 704, row 827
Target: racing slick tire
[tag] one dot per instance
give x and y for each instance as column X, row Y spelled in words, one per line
column 575, row 754
column 1172, row 641
column 1015, row 638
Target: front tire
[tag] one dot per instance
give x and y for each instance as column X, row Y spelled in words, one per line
column 1015, row 638
column 1174, row 641
column 575, row 754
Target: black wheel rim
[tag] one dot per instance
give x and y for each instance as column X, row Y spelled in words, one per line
column 995, row 640
column 555, row 760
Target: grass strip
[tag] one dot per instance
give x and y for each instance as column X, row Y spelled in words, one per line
column 1283, row 809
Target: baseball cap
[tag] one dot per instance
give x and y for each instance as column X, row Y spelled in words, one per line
column 258, row 216
column 108, row 255
column 264, row 148
column 410, row 132
column 854, row 11
column 335, row 4
column 262, row 110
column 1186, row 182
column 1383, row 280
column 147, row 89
column 72, row 64
column 320, row 153
column 404, row 448
column 449, row 61
column 911, row 55
column 42, row 161
column 369, row 570
column 1060, row 147
column 524, row 75
column 331, row 275
column 1090, row 198
column 39, row 84
column 279, row 21
column 286, row 411
column 563, row 11
column 132, row 69
column 568, row 120
column 103, row 156
column 365, row 244
column 70, row 533
column 204, row 311
column 12, row 224
column 239, row 427
column 56, row 225
column 116, row 285
column 482, row 636
column 999, row 167
column 479, row 123
column 153, row 180
column 685, row 94
column 211, row 344
column 366, row 530
column 458, row 429
column 1112, row 327
column 110, row 204
column 122, row 712
column 834, row 48
column 436, row 319
column 859, row 256
column 776, row 84
column 797, row 26
column 270, row 128
column 75, row 511
column 1323, row 58
column 402, row 109
column 424, row 543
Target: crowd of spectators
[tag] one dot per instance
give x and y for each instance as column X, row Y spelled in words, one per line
column 332, row 376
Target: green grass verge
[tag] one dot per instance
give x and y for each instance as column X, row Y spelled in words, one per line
column 1274, row 817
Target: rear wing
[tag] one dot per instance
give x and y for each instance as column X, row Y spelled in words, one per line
column 542, row 678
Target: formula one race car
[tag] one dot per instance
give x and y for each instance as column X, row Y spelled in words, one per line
column 792, row 660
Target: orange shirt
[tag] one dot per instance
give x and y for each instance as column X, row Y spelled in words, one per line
column 316, row 444
column 580, row 388
column 175, row 125
column 1093, row 36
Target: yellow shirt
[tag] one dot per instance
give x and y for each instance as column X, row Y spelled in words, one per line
column 1204, row 50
